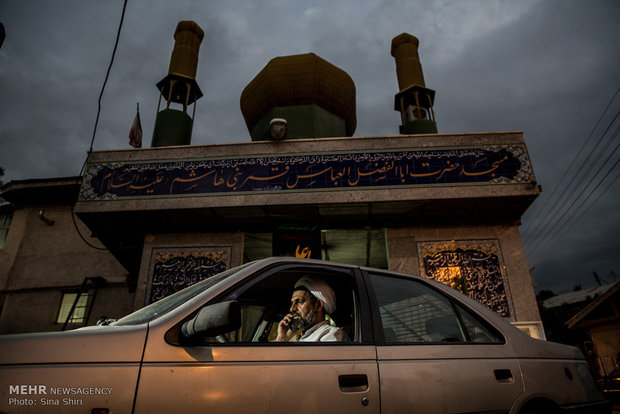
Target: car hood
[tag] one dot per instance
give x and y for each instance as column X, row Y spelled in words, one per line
column 98, row 344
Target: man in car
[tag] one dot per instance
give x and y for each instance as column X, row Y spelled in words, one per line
column 311, row 300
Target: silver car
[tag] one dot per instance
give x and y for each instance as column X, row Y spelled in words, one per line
column 414, row 346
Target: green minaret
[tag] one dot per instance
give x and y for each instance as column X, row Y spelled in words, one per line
column 174, row 126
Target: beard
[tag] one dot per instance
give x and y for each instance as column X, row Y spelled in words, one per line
column 304, row 322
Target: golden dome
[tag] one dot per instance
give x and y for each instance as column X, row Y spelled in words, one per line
column 300, row 80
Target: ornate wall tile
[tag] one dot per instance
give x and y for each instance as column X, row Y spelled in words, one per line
column 473, row 267
column 173, row 269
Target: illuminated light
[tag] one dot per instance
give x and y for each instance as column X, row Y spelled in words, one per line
column 215, row 395
column 453, row 277
column 304, row 253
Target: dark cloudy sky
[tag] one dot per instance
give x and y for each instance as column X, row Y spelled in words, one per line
column 546, row 67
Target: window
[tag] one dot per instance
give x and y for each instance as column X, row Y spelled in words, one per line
column 161, row 307
column 5, row 222
column 358, row 247
column 80, row 310
column 412, row 312
column 476, row 330
column 265, row 301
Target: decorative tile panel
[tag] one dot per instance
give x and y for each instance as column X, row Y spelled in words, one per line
column 173, row 269
column 473, row 267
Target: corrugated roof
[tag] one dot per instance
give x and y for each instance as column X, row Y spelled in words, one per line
column 576, row 296
column 581, row 317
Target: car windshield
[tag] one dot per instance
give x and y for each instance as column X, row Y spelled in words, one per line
column 165, row 305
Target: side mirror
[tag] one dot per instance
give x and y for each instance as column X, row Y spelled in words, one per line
column 213, row 320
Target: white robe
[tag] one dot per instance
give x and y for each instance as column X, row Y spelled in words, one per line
column 324, row 332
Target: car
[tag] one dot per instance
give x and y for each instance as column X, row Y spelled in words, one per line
column 413, row 345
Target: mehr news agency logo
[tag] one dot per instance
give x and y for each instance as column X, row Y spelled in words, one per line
column 33, row 395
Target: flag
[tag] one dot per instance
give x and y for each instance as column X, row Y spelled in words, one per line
column 135, row 134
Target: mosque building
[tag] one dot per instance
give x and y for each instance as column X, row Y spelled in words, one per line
column 443, row 206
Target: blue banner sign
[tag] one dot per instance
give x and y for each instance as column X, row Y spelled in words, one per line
column 323, row 171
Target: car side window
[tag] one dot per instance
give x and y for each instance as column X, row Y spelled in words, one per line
column 412, row 312
column 265, row 301
column 477, row 331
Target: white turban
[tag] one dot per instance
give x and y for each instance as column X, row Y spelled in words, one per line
column 320, row 290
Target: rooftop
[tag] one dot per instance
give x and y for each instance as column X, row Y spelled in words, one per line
column 576, row 296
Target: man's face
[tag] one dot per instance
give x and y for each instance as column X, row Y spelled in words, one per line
column 302, row 305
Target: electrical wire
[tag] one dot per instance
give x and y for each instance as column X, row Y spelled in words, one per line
column 548, row 226
column 570, row 204
column 525, row 229
column 107, row 75
column 558, row 236
column 555, row 237
column 568, row 191
column 565, row 221
column 92, row 141
column 576, row 182
column 594, row 202
column 80, row 233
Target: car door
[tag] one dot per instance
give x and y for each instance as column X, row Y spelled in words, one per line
column 435, row 355
column 250, row 374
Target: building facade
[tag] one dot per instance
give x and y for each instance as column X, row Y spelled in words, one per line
column 45, row 266
column 444, row 206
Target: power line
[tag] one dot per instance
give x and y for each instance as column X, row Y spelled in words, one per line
column 572, row 208
column 567, row 191
column 556, row 237
column 551, row 224
column 92, row 141
column 107, row 75
column 570, row 166
column 80, row 233
column 594, row 202
column 582, row 202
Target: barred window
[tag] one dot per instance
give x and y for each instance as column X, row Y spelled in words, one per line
column 66, row 303
column 5, row 222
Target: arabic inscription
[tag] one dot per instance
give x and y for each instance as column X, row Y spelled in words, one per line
column 173, row 269
column 471, row 267
column 368, row 170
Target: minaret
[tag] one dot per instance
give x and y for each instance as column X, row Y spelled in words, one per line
column 415, row 100
column 173, row 126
